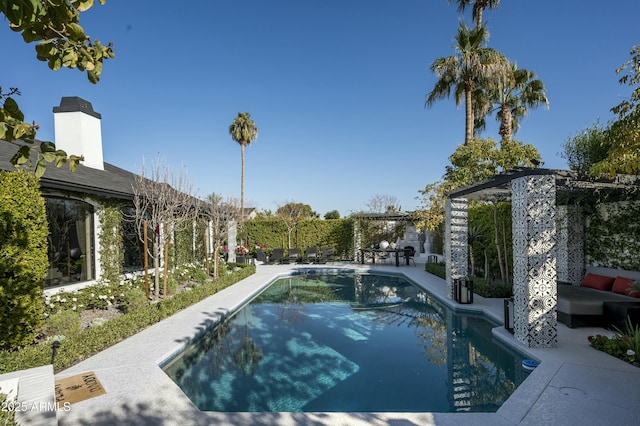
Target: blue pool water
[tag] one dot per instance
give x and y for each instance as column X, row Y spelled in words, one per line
column 348, row 342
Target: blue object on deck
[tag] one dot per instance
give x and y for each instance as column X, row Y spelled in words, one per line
column 529, row 364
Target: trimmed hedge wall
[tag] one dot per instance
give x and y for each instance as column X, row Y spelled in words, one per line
column 23, row 258
column 93, row 340
column 336, row 233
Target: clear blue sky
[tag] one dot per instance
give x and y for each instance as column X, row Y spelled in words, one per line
column 336, row 88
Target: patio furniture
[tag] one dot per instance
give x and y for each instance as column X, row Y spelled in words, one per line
column 293, row 255
column 261, row 256
column 617, row 313
column 583, row 305
column 409, row 254
column 328, row 254
column 374, row 252
column 277, row 256
column 384, row 256
column 311, row 254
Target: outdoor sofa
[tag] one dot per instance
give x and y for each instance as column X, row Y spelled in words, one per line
column 601, row 299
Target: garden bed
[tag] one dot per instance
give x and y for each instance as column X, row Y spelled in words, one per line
column 87, row 322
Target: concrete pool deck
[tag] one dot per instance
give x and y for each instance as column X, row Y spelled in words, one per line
column 574, row 384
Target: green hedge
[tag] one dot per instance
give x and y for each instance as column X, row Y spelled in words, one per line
column 481, row 286
column 93, row 340
column 437, row 269
column 23, row 258
column 273, row 233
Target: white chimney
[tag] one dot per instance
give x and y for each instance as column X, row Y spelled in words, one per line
column 78, row 131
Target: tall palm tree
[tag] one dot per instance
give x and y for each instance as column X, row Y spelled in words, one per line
column 473, row 66
column 514, row 95
column 244, row 131
column 478, row 8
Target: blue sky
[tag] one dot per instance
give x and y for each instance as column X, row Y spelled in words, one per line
column 336, row 88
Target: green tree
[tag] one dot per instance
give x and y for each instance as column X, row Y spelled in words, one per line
column 483, row 158
column 61, row 42
column 624, row 133
column 473, row 162
column 333, row 214
column 244, row 131
column 292, row 213
column 471, row 68
column 23, row 258
column 478, row 8
column 588, row 147
column 219, row 213
column 432, row 202
column 513, row 94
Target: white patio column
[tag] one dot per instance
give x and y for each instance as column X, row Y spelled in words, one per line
column 535, row 294
column 570, row 241
column 455, row 245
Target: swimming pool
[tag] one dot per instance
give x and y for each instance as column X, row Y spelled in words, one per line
column 350, row 342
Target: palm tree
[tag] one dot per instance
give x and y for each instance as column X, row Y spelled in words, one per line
column 473, row 66
column 244, row 131
column 478, row 8
column 514, row 95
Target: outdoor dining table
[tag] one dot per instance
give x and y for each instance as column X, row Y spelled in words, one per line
column 375, row 251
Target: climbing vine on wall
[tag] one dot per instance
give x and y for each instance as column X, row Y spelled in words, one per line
column 111, row 243
column 612, row 237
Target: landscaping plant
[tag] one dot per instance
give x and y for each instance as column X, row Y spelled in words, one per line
column 23, row 258
column 623, row 344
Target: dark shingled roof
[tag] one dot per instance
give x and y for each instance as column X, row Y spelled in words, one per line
column 112, row 182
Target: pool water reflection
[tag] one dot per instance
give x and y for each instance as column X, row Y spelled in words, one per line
column 348, row 342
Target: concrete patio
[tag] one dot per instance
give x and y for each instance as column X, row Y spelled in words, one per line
column 574, row 384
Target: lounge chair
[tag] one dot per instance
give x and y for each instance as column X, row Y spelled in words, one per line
column 261, row 256
column 277, row 256
column 311, row 254
column 293, row 255
column 327, row 255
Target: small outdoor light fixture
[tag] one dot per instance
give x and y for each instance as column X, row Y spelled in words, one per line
column 508, row 314
column 55, row 345
column 463, row 290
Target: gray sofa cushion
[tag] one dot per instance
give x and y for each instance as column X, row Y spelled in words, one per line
column 576, row 300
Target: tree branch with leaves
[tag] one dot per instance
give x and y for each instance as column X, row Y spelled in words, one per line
column 162, row 201
column 61, row 42
column 219, row 214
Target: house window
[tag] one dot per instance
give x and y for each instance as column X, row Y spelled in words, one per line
column 133, row 247
column 71, row 241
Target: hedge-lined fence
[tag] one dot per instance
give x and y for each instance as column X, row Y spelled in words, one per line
column 273, row 233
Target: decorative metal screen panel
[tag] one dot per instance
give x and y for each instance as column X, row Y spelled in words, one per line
column 534, row 260
column 455, row 247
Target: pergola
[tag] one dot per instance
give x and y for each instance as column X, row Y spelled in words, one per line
column 548, row 239
column 388, row 216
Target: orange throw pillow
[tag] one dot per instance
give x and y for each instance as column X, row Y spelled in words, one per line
column 622, row 285
column 599, row 282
